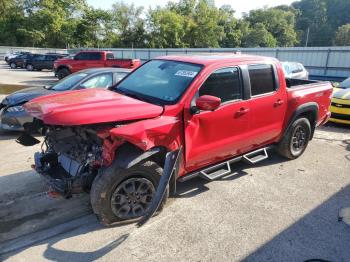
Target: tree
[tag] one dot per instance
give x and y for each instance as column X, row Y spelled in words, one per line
column 204, row 30
column 232, row 33
column 279, row 23
column 342, row 36
column 259, row 36
column 90, row 29
column 167, row 29
column 129, row 25
column 312, row 22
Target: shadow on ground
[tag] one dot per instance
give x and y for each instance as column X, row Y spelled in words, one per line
column 9, row 135
column 318, row 235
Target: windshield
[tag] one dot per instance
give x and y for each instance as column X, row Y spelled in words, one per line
column 68, row 82
column 345, row 83
column 161, row 81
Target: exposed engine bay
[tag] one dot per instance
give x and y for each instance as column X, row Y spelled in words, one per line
column 71, row 156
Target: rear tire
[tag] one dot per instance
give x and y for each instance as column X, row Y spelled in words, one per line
column 296, row 139
column 62, row 73
column 119, row 194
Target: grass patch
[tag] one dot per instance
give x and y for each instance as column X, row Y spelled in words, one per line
column 8, row 89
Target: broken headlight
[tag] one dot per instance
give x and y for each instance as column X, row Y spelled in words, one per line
column 13, row 109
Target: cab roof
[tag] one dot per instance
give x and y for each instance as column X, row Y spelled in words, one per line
column 213, row 58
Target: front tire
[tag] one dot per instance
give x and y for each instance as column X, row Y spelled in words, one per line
column 296, row 139
column 13, row 65
column 119, row 194
column 29, row 67
column 62, row 73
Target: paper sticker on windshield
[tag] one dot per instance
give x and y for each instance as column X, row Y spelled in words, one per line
column 186, row 73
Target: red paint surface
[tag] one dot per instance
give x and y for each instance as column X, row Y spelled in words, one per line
column 89, row 106
column 209, row 137
column 77, row 65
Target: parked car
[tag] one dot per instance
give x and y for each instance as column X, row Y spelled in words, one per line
column 172, row 119
column 340, row 108
column 12, row 114
column 10, row 55
column 20, row 60
column 90, row 59
column 41, row 62
column 295, row 70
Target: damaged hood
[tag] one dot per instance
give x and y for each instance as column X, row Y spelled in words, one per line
column 90, row 106
column 26, row 94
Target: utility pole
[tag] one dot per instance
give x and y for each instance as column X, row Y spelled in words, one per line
column 307, row 36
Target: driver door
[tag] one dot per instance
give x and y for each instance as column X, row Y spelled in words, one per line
column 212, row 136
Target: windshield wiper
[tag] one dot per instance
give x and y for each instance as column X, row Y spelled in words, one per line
column 137, row 96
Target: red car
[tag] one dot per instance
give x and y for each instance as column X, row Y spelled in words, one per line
column 172, row 119
column 90, row 59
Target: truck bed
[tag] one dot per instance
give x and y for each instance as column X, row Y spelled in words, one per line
column 294, row 82
column 301, row 92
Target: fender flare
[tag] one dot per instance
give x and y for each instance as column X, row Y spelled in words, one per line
column 128, row 155
column 311, row 107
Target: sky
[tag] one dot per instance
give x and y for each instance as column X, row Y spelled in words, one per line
column 238, row 5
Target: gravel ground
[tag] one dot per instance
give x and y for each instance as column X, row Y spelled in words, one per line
column 277, row 210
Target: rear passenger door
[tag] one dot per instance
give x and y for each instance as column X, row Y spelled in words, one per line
column 267, row 104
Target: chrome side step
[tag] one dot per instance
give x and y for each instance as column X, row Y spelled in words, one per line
column 256, row 156
column 224, row 168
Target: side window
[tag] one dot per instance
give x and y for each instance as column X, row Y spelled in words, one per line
column 79, row 56
column 94, row 56
column 223, row 83
column 119, row 76
column 40, row 58
column 51, row 58
column 262, row 79
column 102, row 81
column 110, row 56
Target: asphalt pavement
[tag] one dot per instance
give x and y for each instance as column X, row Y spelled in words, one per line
column 277, row 210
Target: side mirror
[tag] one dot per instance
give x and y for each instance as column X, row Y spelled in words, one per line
column 207, row 103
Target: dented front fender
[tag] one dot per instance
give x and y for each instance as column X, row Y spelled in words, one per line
column 162, row 131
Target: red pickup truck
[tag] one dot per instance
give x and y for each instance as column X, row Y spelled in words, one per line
column 89, row 59
column 172, row 119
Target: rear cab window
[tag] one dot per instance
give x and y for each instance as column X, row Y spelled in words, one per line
column 263, row 79
column 109, row 56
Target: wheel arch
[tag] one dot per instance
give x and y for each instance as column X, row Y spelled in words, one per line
column 62, row 67
column 128, row 155
column 307, row 110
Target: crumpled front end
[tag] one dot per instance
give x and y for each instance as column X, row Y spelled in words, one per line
column 71, row 157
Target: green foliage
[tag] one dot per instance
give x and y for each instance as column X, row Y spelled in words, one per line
column 342, row 36
column 179, row 24
column 259, row 36
column 275, row 25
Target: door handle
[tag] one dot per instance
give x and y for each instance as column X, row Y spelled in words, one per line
column 242, row 111
column 279, row 102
